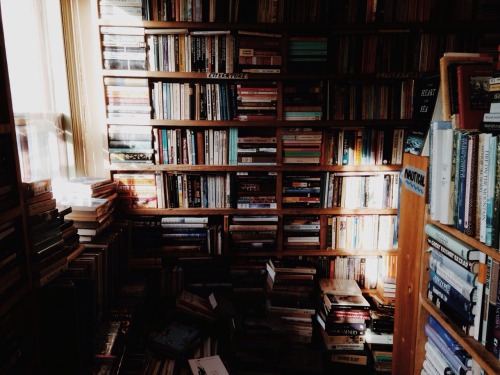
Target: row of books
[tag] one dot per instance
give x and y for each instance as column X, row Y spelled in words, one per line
column 234, row 146
column 365, row 146
column 253, row 100
column 362, row 232
column 444, row 353
column 181, row 50
column 464, row 285
column 175, row 235
column 282, row 11
column 252, row 189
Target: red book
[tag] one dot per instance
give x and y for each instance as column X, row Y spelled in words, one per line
column 473, row 94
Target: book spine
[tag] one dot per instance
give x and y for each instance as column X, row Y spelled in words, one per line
column 437, row 261
column 462, row 262
column 454, row 244
column 438, row 301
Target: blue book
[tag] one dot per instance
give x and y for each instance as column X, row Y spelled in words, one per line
column 460, row 302
column 444, row 334
column 442, row 300
column 438, row 260
column 450, row 290
column 460, row 358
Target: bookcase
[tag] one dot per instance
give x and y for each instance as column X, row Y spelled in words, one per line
column 349, row 88
column 17, row 320
column 426, row 308
column 323, row 74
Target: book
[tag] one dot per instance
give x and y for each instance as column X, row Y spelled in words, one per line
column 454, row 244
column 207, row 365
column 473, row 94
column 439, row 262
column 448, row 87
column 176, row 338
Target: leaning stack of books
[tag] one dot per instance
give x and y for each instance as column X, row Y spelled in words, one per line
column 457, row 277
column 290, row 298
column 380, row 334
column 44, row 230
column 442, row 352
column 342, row 315
column 92, row 201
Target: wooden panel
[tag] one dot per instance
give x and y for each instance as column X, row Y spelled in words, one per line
column 411, row 226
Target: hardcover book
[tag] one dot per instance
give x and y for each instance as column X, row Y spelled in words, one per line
column 473, row 94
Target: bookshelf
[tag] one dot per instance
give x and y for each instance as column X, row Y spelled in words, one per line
column 355, row 96
column 485, row 359
column 17, row 320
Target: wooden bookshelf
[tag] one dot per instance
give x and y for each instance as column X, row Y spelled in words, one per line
column 479, row 353
column 17, row 312
column 387, row 29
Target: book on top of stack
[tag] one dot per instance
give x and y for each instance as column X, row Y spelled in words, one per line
column 92, row 201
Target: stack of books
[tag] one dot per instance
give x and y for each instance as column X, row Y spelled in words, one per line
column 252, row 150
column 92, row 201
column 380, row 335
column 386, row 283
column 307, row 53
column 303, row 101
column 342, row 315
column 442, row 352
column 301, row 232
column 47, row 249
column 456, row 286
column 113, row 10
column 259, row 52
column 123, row 48
column 137, row 190
column 253, row 232
column 255, row 189
column 130, row 144
column 301, row 146
column 249, row 278
column 491, row 119
column 186, row 234
column 256, row 101
column 290, row 298
column 302, row 190
column 127, row 98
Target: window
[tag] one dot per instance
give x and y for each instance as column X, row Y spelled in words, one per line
column 37, row 72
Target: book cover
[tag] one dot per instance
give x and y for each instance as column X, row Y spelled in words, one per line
column 211, row 365
column 473, row 94
column 176, row 338
column 444, row 62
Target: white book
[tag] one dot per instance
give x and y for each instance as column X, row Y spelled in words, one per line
column 445, row 209
column 435, row 166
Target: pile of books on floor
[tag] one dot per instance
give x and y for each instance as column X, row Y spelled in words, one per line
column 290, row 298
column 342, row 314
column 379, row 334
column 47, row 246
column 92, row 201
